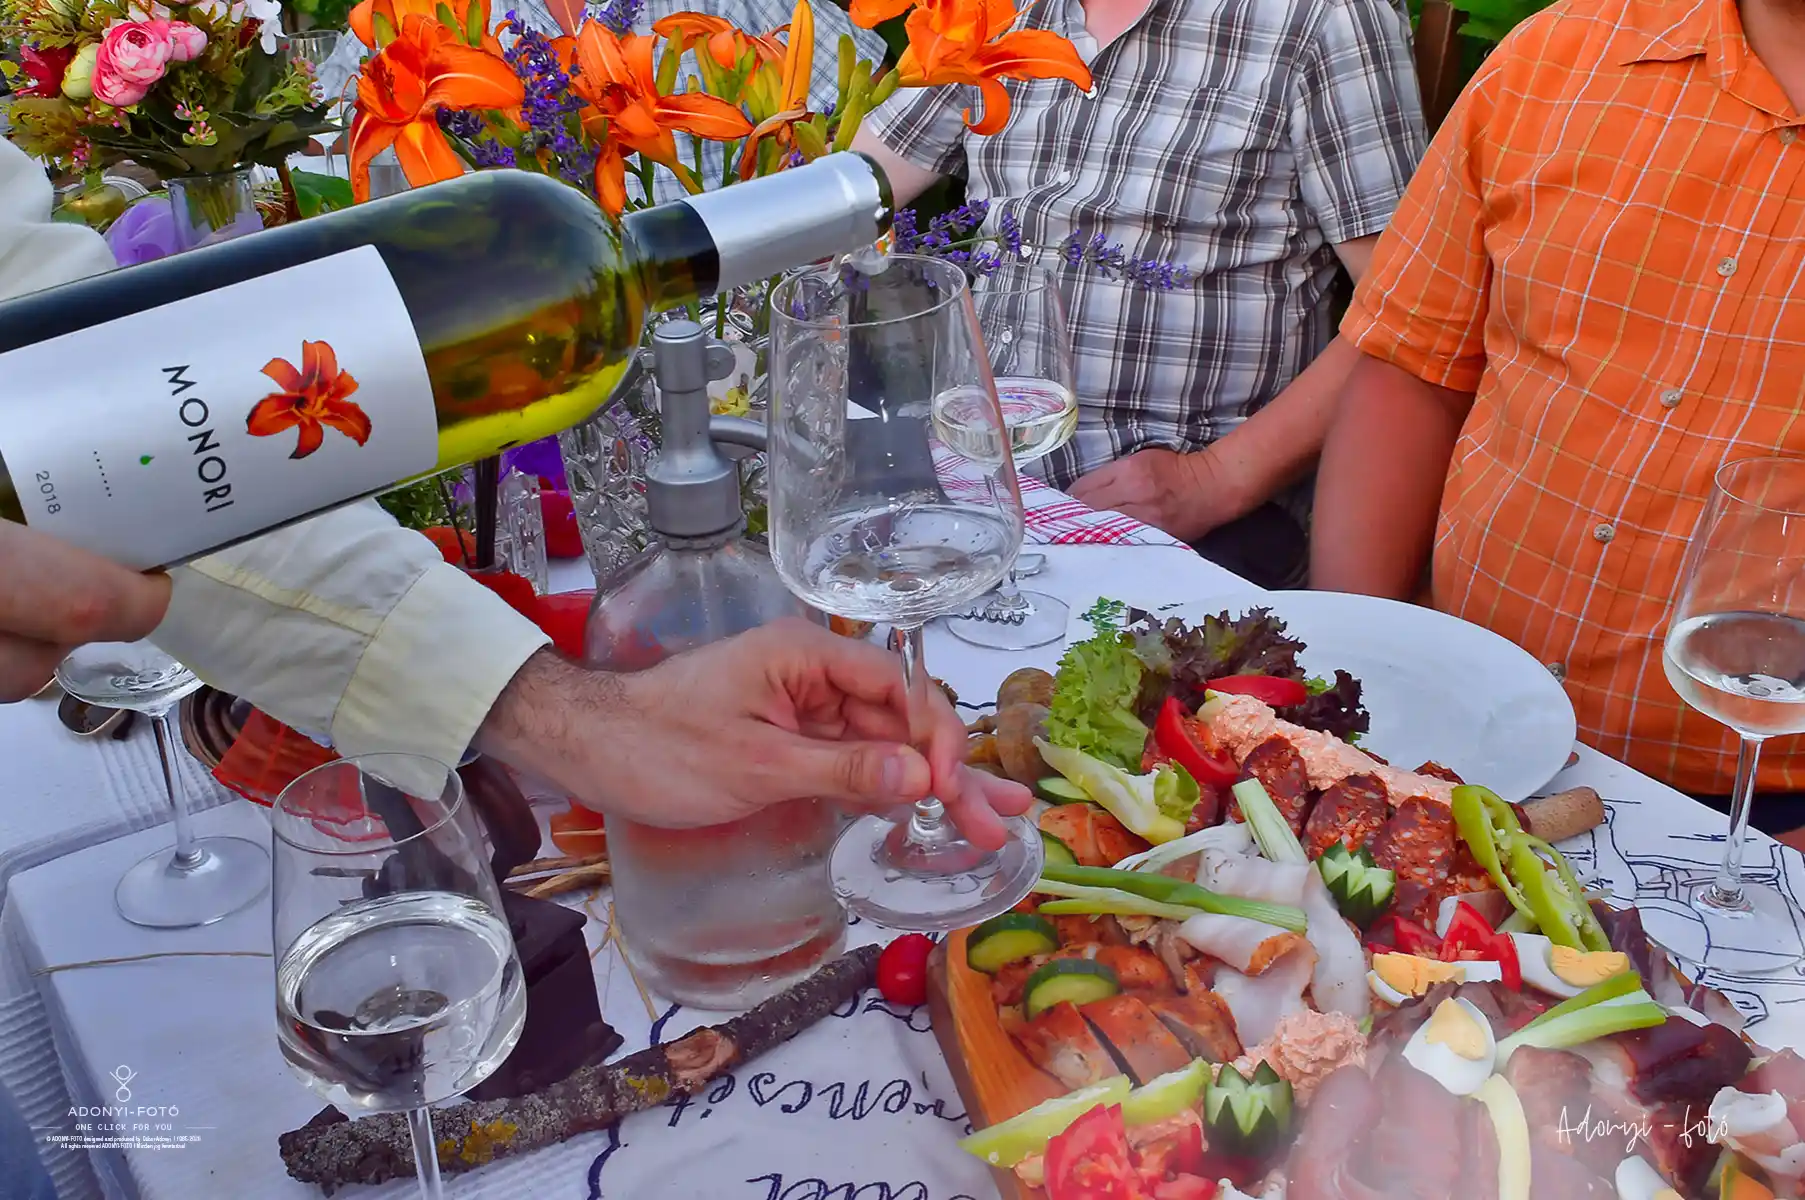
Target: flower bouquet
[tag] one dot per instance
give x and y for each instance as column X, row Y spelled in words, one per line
column 188, row 90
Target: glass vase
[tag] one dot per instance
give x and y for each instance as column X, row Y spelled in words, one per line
column 213, row 208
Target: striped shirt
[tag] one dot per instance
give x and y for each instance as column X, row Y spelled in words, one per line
column 1606, row 243
column 1242, row 139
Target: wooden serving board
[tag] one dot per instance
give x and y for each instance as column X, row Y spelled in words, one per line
column 995, row 1079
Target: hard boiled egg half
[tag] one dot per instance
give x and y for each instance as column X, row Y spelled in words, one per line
column 1636, row 1180
column 1455, row 1047
column 1397, row 978
column 1561, row 970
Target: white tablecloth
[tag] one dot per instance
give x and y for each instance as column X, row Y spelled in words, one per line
column 857, row 1108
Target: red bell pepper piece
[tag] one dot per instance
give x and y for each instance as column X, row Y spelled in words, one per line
column 1392, row 932
column 1181, row 740
column 1269, row 689
column 1089, row 1161
column 1471, row 938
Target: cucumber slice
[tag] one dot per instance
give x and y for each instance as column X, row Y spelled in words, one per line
column 1166, row 1097
column 1058, row 854
column 1361, row 888
column 1079, row 980
column 1008, row 1142
column 1007, row 939
column 1057, row 789
column 1245, row 1116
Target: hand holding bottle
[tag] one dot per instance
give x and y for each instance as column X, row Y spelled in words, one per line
column 785, row 711
column 54, row 597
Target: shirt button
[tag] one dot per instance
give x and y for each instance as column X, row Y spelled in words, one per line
column 1558, row 670
column 1063, row 177
column 1603, row 532
column 1788, row 136
column 1727, row 267
column 1671, row 398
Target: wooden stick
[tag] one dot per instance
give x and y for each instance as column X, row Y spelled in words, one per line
column 333, row 1152
column 592, row 876
column 568, row 862
column 620, row 947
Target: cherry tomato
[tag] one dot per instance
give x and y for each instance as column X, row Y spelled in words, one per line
column 510, row 587
column 1279, row 693
column 902, row 969
column 1392, row 932
column 1180, row 739
column 1089, row 1161
column 565, row 617
column 577, row 831
column 449, row 541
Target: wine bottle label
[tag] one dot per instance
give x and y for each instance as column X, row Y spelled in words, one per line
column 155, row 437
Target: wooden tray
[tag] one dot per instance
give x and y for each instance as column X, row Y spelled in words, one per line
column 994, row 1078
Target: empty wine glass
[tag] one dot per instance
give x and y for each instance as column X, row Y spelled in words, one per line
column 397, row 982
column 198, row 880
column 874, row 518
column 1022, row 317
column 1735, row 651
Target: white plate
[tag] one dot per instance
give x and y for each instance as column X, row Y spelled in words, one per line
column 1438, row 688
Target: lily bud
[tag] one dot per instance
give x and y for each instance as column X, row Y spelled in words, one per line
column 78, row 80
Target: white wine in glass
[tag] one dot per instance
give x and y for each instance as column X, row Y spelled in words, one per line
column 1735, row 651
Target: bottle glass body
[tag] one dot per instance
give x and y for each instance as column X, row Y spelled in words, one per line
column 726, row 916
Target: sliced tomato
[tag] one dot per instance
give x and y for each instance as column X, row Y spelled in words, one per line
column 565, row 618
column 1186, row 1187
column 1089, row 1161
column 1269, row 689
column 577, row 831
column 1179, row 1152
column 1470, row 937
column 1392, row 932
column 1184, row 742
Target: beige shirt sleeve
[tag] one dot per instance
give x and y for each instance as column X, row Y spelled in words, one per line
column 351, row 628
column 36, row 253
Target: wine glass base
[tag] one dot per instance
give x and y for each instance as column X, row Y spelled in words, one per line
column 1741, row 940
column 1045, row 622
column 158, row 894
column 932, row 901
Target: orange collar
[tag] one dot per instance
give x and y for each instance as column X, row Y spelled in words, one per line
column 1667, row 31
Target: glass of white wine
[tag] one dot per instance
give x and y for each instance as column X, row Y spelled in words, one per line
column 1735, row 651
column 875, row 518
column 197, row 881
column 1022, row 316
column 397, row 981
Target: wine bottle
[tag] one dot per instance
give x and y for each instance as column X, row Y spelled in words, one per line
column 154, row 414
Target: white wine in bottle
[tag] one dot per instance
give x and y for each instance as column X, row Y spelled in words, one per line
column 154, row 414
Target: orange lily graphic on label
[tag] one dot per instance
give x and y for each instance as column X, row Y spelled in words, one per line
column 314, row 396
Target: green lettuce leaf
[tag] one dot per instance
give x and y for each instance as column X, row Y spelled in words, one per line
column 1094, row 693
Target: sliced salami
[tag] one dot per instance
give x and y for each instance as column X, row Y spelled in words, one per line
column 1280, row 769
column 1352, row 811
column 1418, row 843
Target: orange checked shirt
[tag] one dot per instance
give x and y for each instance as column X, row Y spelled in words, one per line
column 1606, row 244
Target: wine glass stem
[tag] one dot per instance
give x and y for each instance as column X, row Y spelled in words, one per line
column 426, row 1153
column 187, row 855
column 910, row 646
column 1727, row 891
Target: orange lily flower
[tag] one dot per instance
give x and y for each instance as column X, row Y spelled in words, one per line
column 725, row 42
column 617, row 76
column 469, row 20
column 869, row 14
column 970, row 42
column 402, row 89
column 791, row 99
column 314, row 397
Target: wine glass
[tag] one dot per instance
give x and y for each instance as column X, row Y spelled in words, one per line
column 1735, row 651
column 198, row 880
column 1022, row 316
column 866, row 524
column 397, row 982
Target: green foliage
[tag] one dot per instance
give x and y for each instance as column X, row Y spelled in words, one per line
column 326, row 14
column 318, row 194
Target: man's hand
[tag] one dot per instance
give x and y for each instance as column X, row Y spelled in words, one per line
column 54, row 597
column 784, row 712
column 1183, row 494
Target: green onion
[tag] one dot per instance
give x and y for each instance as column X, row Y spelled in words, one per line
column 1091, row 901
column 1167, row 890
column 1637, row 1010
column 1614, row 988
column 1275, row 838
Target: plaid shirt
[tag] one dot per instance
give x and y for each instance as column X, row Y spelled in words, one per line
column 1606, row 244
column 1242, row 139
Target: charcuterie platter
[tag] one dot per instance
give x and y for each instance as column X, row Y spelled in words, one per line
column 1263, row 961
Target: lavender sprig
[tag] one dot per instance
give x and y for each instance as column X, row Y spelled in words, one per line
column 1112, row 262
column 957, row 236
column 550, row 107
column 618, row 16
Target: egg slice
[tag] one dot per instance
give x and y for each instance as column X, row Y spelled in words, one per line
column 1396, row 978
column 1561, row 970
column 1455, row 1047
column 1636, row 1180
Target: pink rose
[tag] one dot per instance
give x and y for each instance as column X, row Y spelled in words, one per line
column 186, row 41
column 133, row 56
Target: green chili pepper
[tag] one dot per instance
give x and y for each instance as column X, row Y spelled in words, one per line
column 1549, row 906
column 1489, row 825
column 1591, row 933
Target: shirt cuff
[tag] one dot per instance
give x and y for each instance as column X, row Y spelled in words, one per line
column 433, row 670
column 1369, row 334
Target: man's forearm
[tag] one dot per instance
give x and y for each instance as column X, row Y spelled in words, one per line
column 907, row 181
column 1276, row 446
column 1379, row 486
